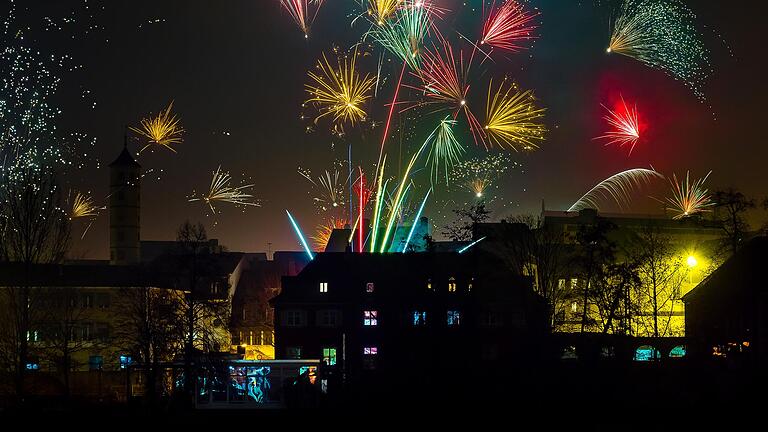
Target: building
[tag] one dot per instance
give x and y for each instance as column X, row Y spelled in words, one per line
column 417, row 315
column 124, row 208
column 689, row 247
column 727, row 313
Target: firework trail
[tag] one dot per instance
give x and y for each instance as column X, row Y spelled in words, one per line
column 221, row 191
column 511, row 118
column 324, row 231
column 509, row 27
column 689, row 198
column 478, row 174
column 625, row 126
column 662, row 34
column 618, row 187
column 163, row 130
column 303, row 12
column 340, row 92
column 445, row 150
column 83, row 207
column 329, row 186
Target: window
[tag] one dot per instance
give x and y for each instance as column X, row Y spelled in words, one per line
column 454, row 318
column 370, row 318
column 429, row 284
column 293, row 352
column 452, row 284
column 323, row 287
column 419, row 318
column 215, row 287
column 574, row 307
column 369, row 357
column 329, row 356
column 250, row 337
column 574, row 282
column 88, row 301
column 95, row 362
column 294, row 318
column 245, row 315
column 491, row 319
column 125, row 361
column 369, row 287
column 328, row 318
column 471, row 283
column 561, row 283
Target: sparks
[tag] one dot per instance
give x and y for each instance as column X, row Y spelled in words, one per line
column 689, row 198
column 619, row 187
column 221, row 191
column 625, row 126
column 381, row 10
column 83, row 207
column 328, row 188
column 511, row 118
column 509, row 26
column 445, row 150
column 404, row 37
column 163, row 130
column 324, row 231
column 303, row 12
column 340, row 92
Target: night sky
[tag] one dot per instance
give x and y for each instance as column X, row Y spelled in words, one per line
column 236, row 70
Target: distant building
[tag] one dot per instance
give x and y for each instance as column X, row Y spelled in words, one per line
column 727, row 313
column 377, row 315
column 124, row 209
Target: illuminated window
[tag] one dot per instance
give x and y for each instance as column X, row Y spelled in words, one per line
column 370, row 318
column 419, row 318
column 454, row 318
column 452, row 284
column 369, row 357
column 250, row 337
column 369, row 287
column 574, row 307
column 125, row 361
column 370, row 351
column 647, row 353
column 323, row 287
column 429, row 284
column 677, row 352
column 574, row 282
column 95, row 362
column 561, row 283
column 329, row 356
column 293, row 352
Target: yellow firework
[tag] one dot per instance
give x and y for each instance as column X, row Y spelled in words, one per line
column 340, row 92
column 163, row 130
column 689, row 198
column 511, row 118
column 324, row 231
column 381, row 10
column 82, row 206
column 221, row 191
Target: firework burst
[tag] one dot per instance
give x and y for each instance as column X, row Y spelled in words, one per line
column 340, row 92
column 618, row 187
column 662, row 34
column 689, row 198
column 303, row 12
column 404, row 37
column 324, row 231
column 478, row 174
column 220, row 191
column 509, row 27
column 163, row 130
column 445, row 151
column 625, row 126
column 329, row 188
column 511, row 118
column 83, row 207
column 381, row 10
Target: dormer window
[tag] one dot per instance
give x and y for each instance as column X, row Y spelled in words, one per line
column 323, row 287
column 369, row 287
column 452, row 284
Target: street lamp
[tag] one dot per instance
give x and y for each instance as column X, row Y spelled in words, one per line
column 691, row 261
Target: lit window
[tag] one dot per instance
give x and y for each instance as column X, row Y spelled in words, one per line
column 369, row 287
column 561, row 283
column 329, row 356
column 370, row 351
column 95, row 362
column 323, row 287
column 574, row 307
column 429, row 284
column 574, row 281
column 419, row 318
column 125, row 361
column 454, row 318
column 370, row 318
column 452, row 285
column 369, row 357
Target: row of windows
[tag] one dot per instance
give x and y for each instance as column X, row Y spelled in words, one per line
column 329, row 357
column 370, row 287
column 83, row 332
column 370, row 318
column 251, row 337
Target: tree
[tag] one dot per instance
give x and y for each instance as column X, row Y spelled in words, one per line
column 466, row 218
column 613, row 297
column 731, row 208
column 595, row 253
column 35, row 231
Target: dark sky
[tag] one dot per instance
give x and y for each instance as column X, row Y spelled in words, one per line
column 236, row 70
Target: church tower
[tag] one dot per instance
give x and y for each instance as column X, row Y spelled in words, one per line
column 124, row 209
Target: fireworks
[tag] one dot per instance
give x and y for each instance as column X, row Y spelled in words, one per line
column 303, row 12
column 511, row 118
column 445, row 82
column 82, row 207
column 404, row 38
column 381, row 10
column 445, row 151
column 689, row 198
column 163, row 130
column 221, row 191
column 618, row 187
column 662, row 34
column 340, row 92
column 626, row 127
column 509, row 26
column 329, row 187
column 324, row 231
column 478, row 174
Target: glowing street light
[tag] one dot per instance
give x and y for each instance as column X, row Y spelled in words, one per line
column 691, row 261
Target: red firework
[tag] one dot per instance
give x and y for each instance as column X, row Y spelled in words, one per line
column 509, row 26
column 445, row 83
column 303, row 12
column 625, row 126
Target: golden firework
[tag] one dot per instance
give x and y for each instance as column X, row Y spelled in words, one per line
column 163, row 130
column 511, row 118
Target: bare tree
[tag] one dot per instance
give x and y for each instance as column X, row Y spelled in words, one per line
column 731, row 208
column 466, row 218
column 35, row 231
column 596, row 252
